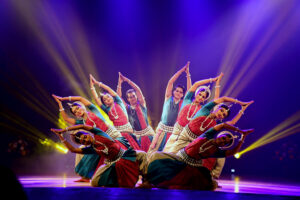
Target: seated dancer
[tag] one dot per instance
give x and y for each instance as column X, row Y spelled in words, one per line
column 190, row 106
column 137, row 113
column 121, row 167
column 86, row 165
column 184, row 170
column 173, row 101
column 114, row 107
column 206, row 118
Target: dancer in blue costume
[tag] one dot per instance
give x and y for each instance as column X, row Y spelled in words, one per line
column 85, row 165
column 173, row 101
column 137, row 113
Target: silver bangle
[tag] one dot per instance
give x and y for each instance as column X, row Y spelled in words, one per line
column 60, row 110
column 67, row 129
column 62, row 141
column 217, row 86
column 70, row 98
column 93, row 88
column 242, row 112
column 210, row 80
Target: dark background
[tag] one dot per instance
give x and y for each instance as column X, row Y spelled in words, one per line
column 148, row 41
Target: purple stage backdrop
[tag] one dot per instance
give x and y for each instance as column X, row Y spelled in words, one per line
column 51, row 47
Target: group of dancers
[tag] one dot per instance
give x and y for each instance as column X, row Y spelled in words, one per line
column 187, row 150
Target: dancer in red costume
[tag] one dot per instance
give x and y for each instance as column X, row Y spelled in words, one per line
column 114, row 107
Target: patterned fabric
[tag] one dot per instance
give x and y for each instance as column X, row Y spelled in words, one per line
column 122, row 173
column 137, row 117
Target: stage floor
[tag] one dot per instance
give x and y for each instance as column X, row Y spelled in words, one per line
column 230, row 189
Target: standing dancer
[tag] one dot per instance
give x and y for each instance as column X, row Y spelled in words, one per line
column 85, row 165
column 185, row 170
column 137, row 113
column 121, row 168
column 205, row 118
column 172, row 104
column 191, row 106
column 114, row 107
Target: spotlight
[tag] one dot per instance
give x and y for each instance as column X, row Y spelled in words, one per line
column 237, row 155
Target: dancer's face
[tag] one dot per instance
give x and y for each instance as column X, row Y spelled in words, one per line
column 200, row 97
column 132, row 98
column 86, row 139
column 223, row 141
column 78, row 111
column 108, row 100
column 178, row 93
column 221, row 113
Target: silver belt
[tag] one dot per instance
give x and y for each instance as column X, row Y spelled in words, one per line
column 165, row 128
column 190, row 134
column 118, row 157
column 188, row 160
column 125, row 128
column 113, row 132
column 146, row 131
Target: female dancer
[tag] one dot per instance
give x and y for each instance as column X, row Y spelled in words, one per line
column 114, row 107
column 137, row 113
column 185, row 170
column 121, row 168
column 173, row 101
column 189, row 107
column 205, row 118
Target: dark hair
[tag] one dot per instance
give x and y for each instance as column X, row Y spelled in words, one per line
column 102, row 96
column 180, row 86
column 72, row 105
column 129, row 91
column 77, row 136
column 225, row 107
column 202, row 90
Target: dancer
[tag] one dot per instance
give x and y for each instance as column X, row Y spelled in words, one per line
column 191, row 106
column 185, row 170
column 173, row 101
column 137, row 113
column 86, row 165
column 121, row 167
column 206, row 118
column 114, row 107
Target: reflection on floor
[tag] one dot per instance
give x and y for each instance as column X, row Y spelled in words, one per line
column 36, row 187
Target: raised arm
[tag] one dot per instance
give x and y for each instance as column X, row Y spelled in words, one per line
column 239, row 114
column 70, row 147
column 84, row 101
column 137, row 89
column 119, row 87
column 64, row 115
column 169, row 89
column 238, row 147
column 202, row 82
column 229, row 99
column 93, row 89
column 217, row 87
column 188, row 77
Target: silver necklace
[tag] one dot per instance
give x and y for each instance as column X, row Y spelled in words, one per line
column 194, row 112
column 105, row 150
column 116, row 116
column 201, row 149
column 203, row 128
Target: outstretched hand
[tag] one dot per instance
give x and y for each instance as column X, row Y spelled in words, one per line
column 92, row 80
column 58, row 99
column 244, row 106
column 187, row 67
column 247, row 132
column 220, row 77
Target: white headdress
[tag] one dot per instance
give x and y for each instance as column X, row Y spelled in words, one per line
column 226, row 133
column 206, row 89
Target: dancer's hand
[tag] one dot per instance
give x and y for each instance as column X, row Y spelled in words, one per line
column 246, row 132
column 245, row 106
column 92, row 80
column 219, row 78
column 58, row 99
column 187, row 68
column 121, row 79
